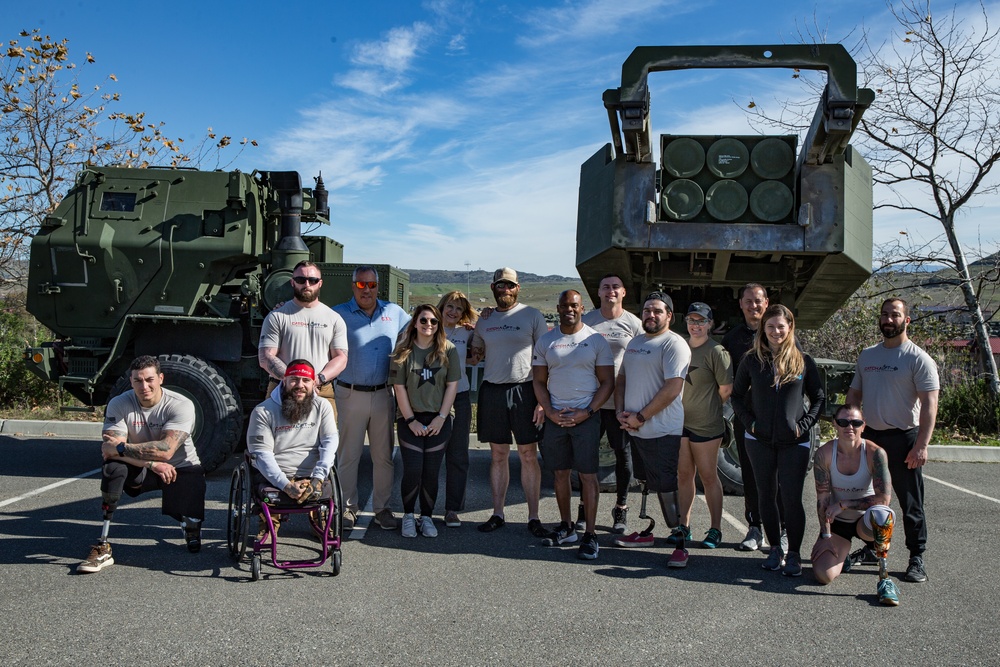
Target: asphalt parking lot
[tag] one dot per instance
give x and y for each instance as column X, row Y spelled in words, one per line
column 465, row 597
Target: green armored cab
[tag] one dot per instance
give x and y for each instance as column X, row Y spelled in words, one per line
column 183, row 265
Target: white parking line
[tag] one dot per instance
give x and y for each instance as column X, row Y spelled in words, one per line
column 11, row 501
column 958, row 488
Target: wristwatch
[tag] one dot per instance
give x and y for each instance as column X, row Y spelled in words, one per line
column 638, row 415
column 121, row 449
column 322, row 379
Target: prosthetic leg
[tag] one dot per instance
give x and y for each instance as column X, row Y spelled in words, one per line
column 880, row 519
column 644, row 538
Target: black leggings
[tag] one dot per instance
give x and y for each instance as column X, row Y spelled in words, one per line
column 422, row 456
column 780, row 470
column 623, row 454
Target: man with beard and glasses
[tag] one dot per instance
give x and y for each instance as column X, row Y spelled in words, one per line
column 897, row 383
column 365, row 403
column 649, row 404
column 292, row 438
column 507, row 401
column 304, row 328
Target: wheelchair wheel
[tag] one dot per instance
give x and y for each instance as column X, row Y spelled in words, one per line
column 239, row 511
column 337, row 561
column 337, row 529
column 254, row 567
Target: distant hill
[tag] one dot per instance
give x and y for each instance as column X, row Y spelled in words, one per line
column 435, row 276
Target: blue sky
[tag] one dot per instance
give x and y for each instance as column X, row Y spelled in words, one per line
column 448, row 131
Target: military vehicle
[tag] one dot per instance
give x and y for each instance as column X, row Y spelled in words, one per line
column 183, row 265
column 717, row 212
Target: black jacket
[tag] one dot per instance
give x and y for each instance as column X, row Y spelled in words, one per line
column 772, row 414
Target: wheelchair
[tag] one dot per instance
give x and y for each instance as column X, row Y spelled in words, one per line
column 247, row 502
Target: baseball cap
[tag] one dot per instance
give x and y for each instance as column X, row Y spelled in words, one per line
column 506, row 273
column 699, row 308
column 661, row 296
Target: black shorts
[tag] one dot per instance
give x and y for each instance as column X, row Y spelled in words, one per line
column 659, row 458
column 185, row 496
column 507, row 410
column 573, row 448
column 694, row 438
column 846, row 529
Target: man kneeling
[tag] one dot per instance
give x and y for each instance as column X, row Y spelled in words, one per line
column 147, row 446
column 292, row 438
column 852, row 497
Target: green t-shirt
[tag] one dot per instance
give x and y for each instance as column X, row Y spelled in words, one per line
column 710, row 368
column 425, row 384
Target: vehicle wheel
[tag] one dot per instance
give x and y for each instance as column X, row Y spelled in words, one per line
column 218, row 412
column 336, row 562
column 239, row 519
column 255, row 567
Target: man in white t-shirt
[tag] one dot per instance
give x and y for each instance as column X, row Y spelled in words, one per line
column 146, row 447
column 304, row 328
column 573, row 375
column 507, row 401
column 649, row 404
column 897, row 383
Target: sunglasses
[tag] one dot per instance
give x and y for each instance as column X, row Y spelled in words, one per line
column 505, row 284
column 844, row 423
column 428, row 320
column 371, row 284
column 302, row 280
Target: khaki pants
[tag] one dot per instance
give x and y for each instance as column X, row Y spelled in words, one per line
column 361, row 413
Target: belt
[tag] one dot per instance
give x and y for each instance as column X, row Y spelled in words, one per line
column 363, row 387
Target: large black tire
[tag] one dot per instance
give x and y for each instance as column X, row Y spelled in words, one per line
column 218, row 413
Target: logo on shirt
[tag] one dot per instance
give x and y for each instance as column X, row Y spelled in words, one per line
column 615, row 335
column 638, row 350
column 311, row 325
column 556, row 346
column 884, row 368
column 503, row 327
column 294, row 427
column 387, row 318
column 426, row 375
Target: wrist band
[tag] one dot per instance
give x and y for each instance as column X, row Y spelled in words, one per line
column 444, row 417
column 150, row 465
column 825, row 535
column 411, row 420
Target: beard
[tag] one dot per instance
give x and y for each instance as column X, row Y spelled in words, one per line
column 891, row 331
column 295, row 410
column 651, row 327
column 505, row 301
column 303, row 296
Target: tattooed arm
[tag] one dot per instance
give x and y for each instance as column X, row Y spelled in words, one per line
column 824, row 492
column 140, row 453
column 268, row 359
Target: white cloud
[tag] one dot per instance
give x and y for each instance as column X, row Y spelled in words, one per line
column 396, row 51
column 578, row 21
column 456, row 45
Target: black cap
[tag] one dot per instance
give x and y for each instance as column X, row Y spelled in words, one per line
column 660, row 296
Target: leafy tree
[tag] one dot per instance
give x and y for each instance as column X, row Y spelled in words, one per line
column 51, row 124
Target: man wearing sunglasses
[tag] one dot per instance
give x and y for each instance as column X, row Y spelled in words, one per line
column 507, row 401
column 897, row 384
column 364, row 397
column 304, row 328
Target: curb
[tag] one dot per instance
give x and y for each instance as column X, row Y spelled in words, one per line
column 92, row 431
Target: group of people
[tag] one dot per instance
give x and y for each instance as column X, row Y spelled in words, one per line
column 342, row 374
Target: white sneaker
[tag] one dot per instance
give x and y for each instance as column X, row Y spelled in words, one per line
column 409, row 526
column 427, row 528
column 753, row 541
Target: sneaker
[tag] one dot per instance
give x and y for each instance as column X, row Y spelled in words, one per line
column 753, row 541
column 619, row 517
column 565, row 533
column 350, row 520
column 634, row 540
column 409, row 525
column 427, row 527
column 679, row 558
column 862, row 556
column 589, row 548
column 888, row 594
column 451, row 520
column 674, row 540
column 793, row 565
column 775, row 559
column 493, row 523
column 784, row 541
column 915, row 572
column 386, row 520
column 192, row 534
column 581, row 518
column 536, row 528
column 712, row 538
column 99, row 558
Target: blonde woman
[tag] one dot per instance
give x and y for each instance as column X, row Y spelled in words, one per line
column 459, row 319
column 777, row 426
column 424, row 371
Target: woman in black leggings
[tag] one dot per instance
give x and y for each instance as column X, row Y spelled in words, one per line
column 777, row 441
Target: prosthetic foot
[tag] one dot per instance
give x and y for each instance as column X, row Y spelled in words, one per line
column 642, row 511
column 881, row 521
column 668, row 504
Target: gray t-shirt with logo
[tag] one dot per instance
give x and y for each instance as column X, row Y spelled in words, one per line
column 618, row 332
column 173, row 412
column 572, row 360
column 889, row 379
column 508, row 338
column 648, row 363
column 304, row 333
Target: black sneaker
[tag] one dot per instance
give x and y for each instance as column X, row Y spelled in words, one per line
column 863, row 556
column 581, row 518
column 565, row 533
column 589, row 548
column 536, row 528
column 915, row 572
column 619, row 518
column 775, row 559
column 192, row 534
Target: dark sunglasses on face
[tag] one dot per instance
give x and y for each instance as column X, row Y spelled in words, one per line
column 505, row 284
column 302, row 280
column 844, row 423
column 428, row 320
column 371, row 284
